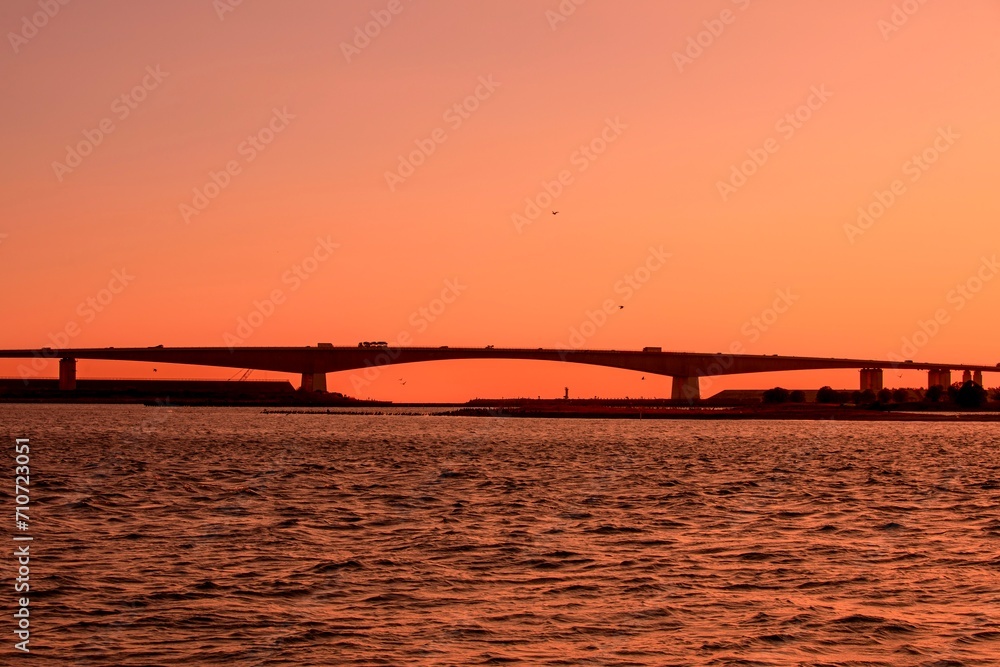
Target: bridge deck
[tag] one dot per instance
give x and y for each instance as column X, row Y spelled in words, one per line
column 326, row 359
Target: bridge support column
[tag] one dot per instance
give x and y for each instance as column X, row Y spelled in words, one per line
column 67, row 374
column 938, row 376
column 966, row 376
column 871, row 378
column 686, row 389
column 977, row 377
column 313, row 382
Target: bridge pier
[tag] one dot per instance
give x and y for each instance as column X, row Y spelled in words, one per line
column 871, row 378
column 938, row 376
column 966, row 376
column 67, row 374
column 313, row 382
column 977, row 377
column 685, row 389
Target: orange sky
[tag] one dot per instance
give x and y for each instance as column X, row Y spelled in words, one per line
column 308, row 119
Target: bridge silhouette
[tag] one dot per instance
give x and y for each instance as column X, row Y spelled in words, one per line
column 312, row 363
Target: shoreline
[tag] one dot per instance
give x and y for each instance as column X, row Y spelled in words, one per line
column 832, row 413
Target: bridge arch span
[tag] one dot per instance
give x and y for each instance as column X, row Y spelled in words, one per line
column 313, row 363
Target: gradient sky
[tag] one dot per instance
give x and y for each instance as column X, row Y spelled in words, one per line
column 346, row 114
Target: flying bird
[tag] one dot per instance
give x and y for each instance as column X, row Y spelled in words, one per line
column 555, row 212
column 621, row 307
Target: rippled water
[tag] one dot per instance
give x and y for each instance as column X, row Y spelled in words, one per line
column 195, row 536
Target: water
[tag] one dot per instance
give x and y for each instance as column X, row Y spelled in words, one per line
column 198, row 536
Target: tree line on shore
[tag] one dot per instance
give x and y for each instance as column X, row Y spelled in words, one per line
column 966, row 395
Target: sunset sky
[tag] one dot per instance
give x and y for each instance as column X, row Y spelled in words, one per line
column 216, row 153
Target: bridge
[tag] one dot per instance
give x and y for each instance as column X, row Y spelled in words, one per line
column 313, row 363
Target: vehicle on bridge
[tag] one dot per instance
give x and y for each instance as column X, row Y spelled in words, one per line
column 652, row 349
column 379, row 343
